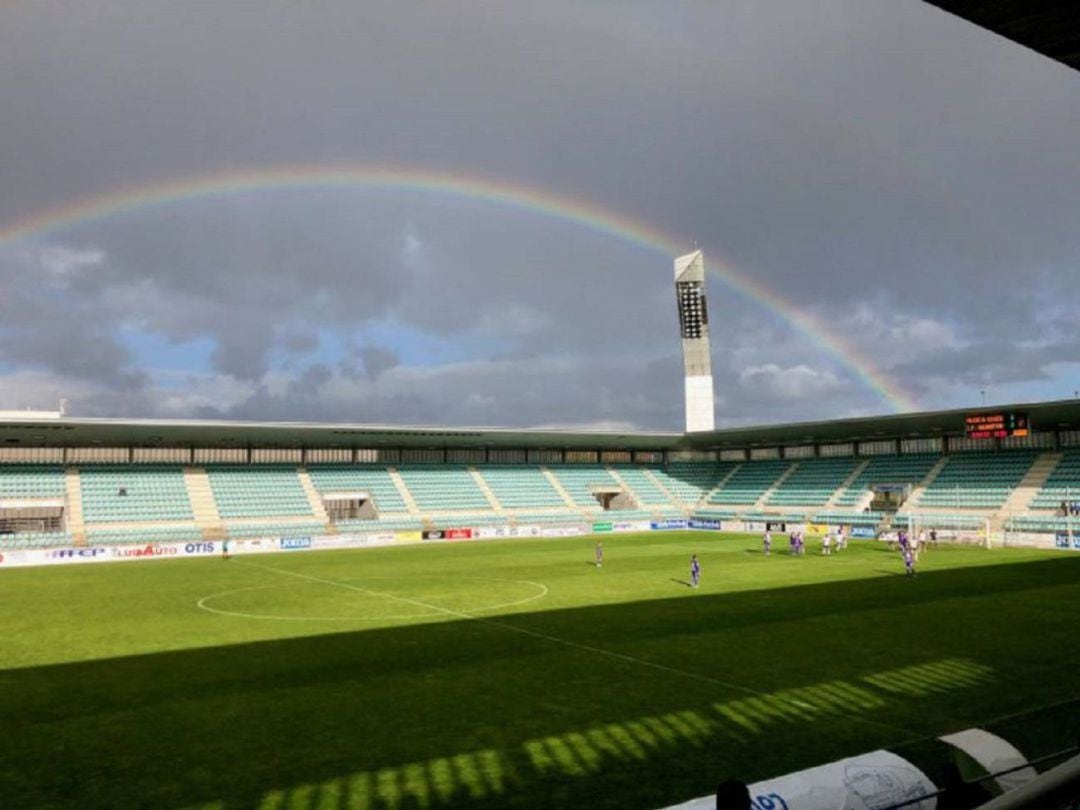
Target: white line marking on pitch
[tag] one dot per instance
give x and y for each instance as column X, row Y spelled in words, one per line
column 572, row 644
column 204, row 604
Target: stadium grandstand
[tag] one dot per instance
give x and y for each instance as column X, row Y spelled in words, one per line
column 84, row 482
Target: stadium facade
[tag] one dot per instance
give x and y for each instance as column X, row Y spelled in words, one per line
column 75, row 483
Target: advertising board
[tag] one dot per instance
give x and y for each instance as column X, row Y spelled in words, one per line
column 667, row 525
column 490, row 532
column 119, row 553
column 458, row 534
column 295, row 543
column 75, row 555
column 563, row 531
column 602, row 526
column 255, row 545
column 200, row 548
column 149, row 550
column 877, row 779
column 865, row 532
column 704, row 523
column 408, row 537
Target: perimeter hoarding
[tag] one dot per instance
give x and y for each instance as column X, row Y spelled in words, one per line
column 701, row 523
column 277, row 544
column 669, row 525
column 877, row 779
column 97, row 554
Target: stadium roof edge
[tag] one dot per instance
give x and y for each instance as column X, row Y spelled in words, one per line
column 71, row 432
column 1056, row 415
column 16, row 430
column 1051, row 29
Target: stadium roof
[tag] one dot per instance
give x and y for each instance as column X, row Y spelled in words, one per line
column 1044, row 416
column 1052, row 29
column 51, row 430
column 66, row 432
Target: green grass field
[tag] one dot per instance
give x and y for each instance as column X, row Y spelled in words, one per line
column 508, row 674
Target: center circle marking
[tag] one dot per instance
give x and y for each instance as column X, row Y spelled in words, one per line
column 346, row 584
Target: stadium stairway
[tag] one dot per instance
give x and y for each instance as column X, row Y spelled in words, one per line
column 403, row 491
column 638, row 503
column 768, row 493
column 1019, row 500
column 917, row 491
column 315, row 499
column 73, row 511
column 706, row 496
column 660, row 486
column 554, row 481
column 203, row 506
column 855, row 473
column 723, row 482
column 482, row 485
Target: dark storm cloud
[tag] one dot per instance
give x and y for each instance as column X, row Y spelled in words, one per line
column 46, row 323
column 993, row 362
column 907, row 178
column 378, row 359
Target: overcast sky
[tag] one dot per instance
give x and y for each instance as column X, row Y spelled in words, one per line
column 907, row 179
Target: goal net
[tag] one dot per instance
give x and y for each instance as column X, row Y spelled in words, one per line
column 932, row 528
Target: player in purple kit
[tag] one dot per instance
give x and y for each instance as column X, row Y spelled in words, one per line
column 695, row 571
column 909, row 560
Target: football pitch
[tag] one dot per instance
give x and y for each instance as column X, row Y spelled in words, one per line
column 509, row 673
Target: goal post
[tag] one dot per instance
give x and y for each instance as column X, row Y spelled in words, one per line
column 960, row 529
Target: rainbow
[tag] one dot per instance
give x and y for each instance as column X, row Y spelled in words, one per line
column 466, row 187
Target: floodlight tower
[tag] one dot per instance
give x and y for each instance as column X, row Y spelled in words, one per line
column 694, row 328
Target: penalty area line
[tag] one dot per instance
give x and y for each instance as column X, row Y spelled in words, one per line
column 629, row 659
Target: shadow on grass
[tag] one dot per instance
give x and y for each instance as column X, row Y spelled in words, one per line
column 474, row 713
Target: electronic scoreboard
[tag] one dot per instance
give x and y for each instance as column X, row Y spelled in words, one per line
column 996, row 425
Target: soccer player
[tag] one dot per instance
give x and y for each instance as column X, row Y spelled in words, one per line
column 695, row 571
column 826, row 544
column 768, row 542
column 909, row 560
column 225, row 553
column 599, row 554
